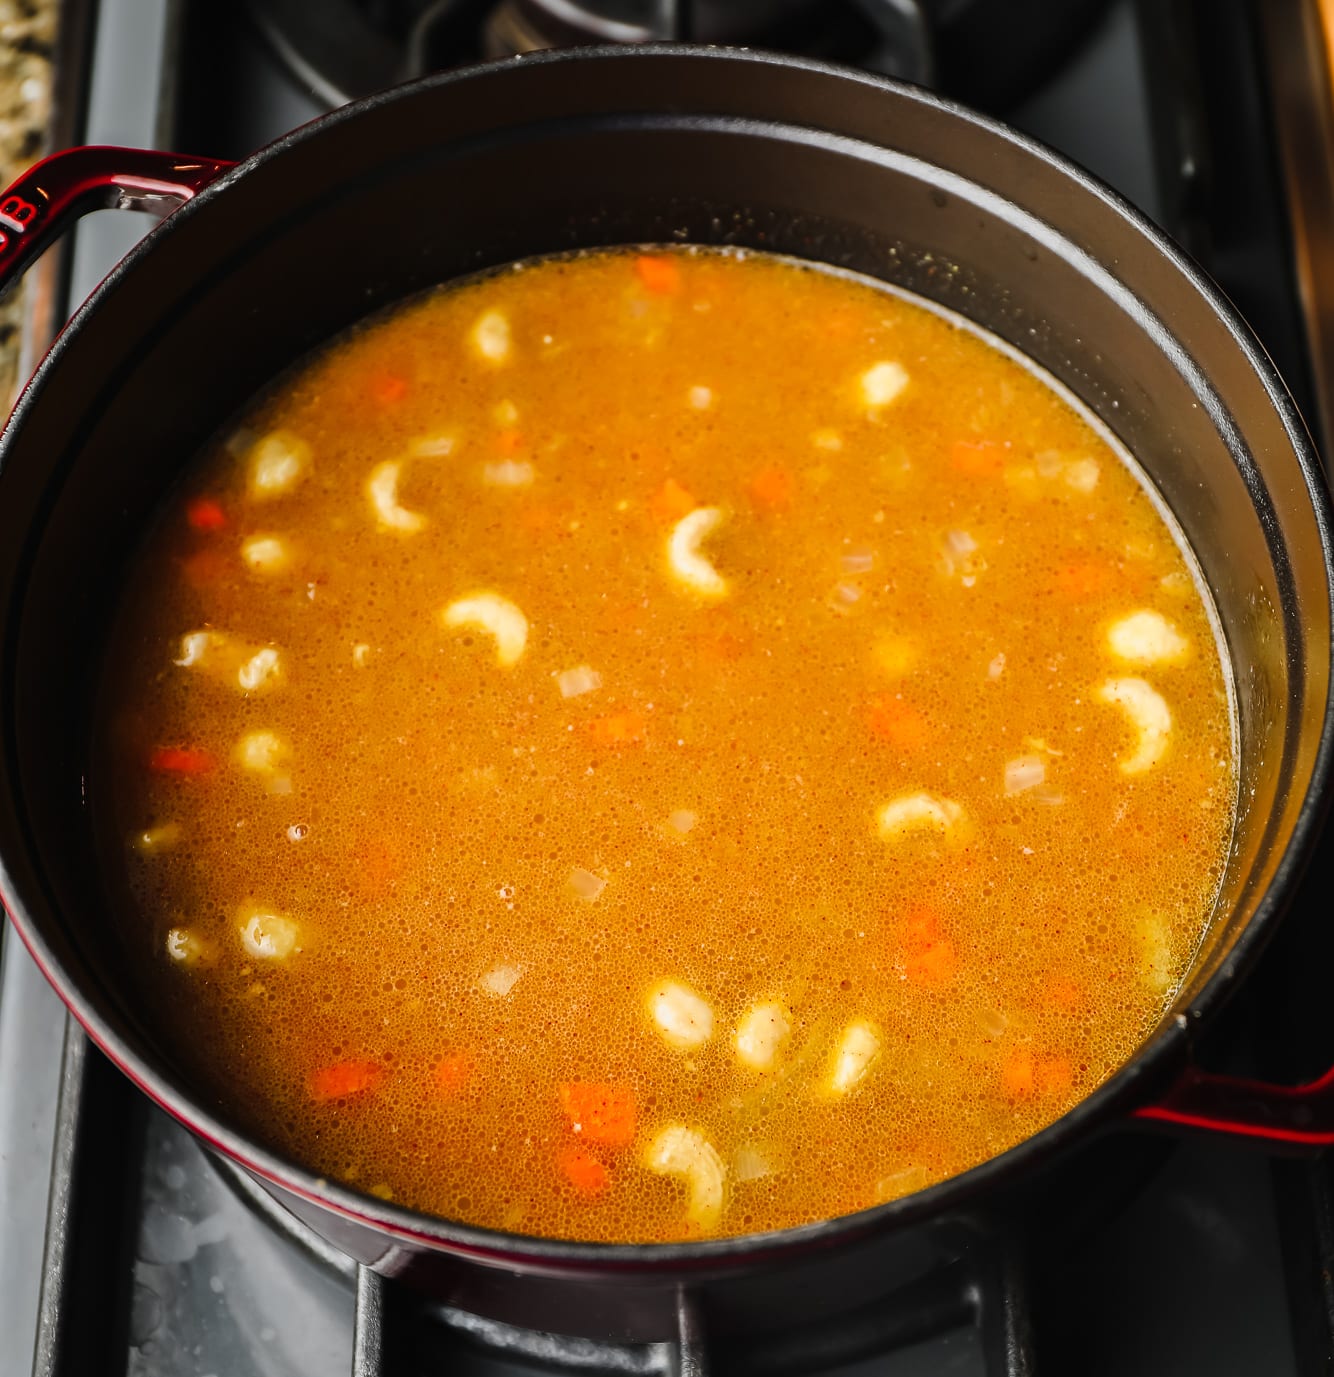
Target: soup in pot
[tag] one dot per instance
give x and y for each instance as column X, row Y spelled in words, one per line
column 651, row 745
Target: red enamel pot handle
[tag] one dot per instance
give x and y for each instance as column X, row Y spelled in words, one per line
column 1293, row 1117
column 49, row 197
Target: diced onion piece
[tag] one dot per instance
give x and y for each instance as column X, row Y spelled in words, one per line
column 843, row 598
column 882, row 383
column 688, row 566
column 1024, row 772
column 857, row 1051
column 997, row 666
column 586, row 885
column 160, row 838
column 1147, row 638
column 261, row 752
column 1149, row 715
column 750, row 1164
column 960, row 542
column 188, row 948
column 490, row 336
column 857, row 562
column 266, row 554
column 1082, row 474
column 506, row 413
column 682, row 820
column 265, row 935
column 382, row 493
column 916, row 812
column 680, row 1151
column 495, row 615
column 508, row 473
column 500, row 980
column 361, row 655
column 681, row 1017
column 900, row 1183
column 278, row 462
column 701, row 398
column 1155, row 950
column 578, row 681
column 431, row 446
column 760, row 1035
column 260, row 671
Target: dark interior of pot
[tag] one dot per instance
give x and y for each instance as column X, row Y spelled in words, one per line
column 557, row 154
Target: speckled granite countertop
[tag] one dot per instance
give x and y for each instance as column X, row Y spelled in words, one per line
column 27, row 42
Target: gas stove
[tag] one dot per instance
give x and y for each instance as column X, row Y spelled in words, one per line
column 125, row 1248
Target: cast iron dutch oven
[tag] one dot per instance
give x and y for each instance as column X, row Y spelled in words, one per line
column 264, row 260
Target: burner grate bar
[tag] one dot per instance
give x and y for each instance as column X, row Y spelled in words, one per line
column 396, row 1331
column 688, row 1357
column 368, row 1356
column 1004, row 1316
column 84, row 1311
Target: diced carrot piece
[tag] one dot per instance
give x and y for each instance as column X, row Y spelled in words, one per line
column 585, row 1173
column 840, row 324
column 344, row 1078
column 1083, row 579
column 206, row 567
column 452, row 1072
column 600, row 1112
column 891, row 719
column 1055, row 1075
column 1018, row 1075
column 927, row 957
column 772, row 488
column 921, row 923
column 620, row 729
column 932, row 965
column 379, row 863
column 671, row 502
column 537, row 518
column 722, row 648
column 509, row 441
column 389, row 388
column 181, row 760
column 659, row 274
column 978, row 458
column 1065, row 994
column 204, row 514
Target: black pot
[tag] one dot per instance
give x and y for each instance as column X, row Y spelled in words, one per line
column 474, row 168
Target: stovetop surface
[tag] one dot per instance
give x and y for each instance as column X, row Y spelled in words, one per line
column 1189, row 1278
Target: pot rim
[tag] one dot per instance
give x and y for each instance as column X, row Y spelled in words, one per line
column 1161, row 1054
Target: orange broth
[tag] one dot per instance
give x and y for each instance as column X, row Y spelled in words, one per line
column 641, row 746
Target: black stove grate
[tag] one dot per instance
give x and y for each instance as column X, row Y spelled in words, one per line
column 987, row 52
column 394, row 1333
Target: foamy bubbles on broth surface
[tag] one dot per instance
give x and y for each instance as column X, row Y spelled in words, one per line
column 654, row 745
